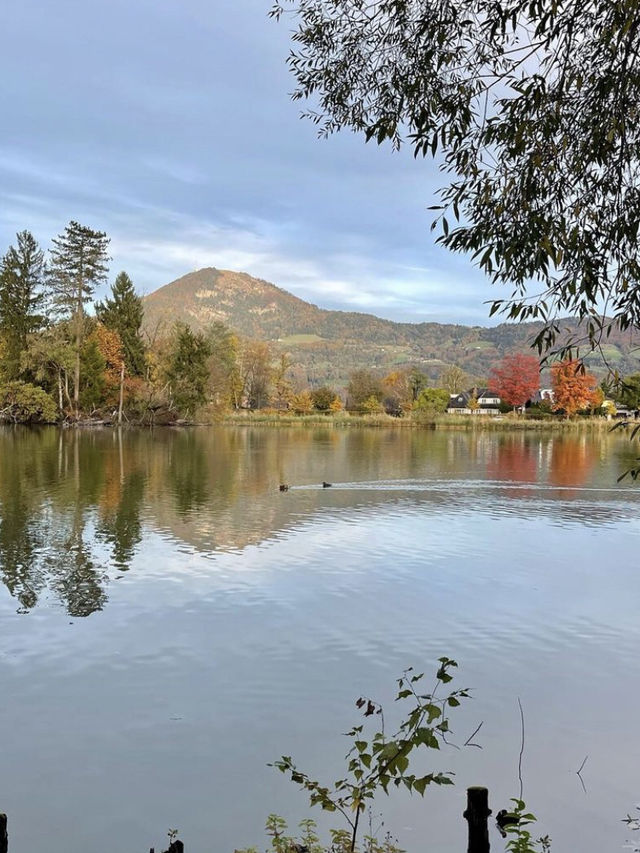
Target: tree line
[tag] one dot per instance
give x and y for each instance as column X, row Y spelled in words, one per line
column 66, row 356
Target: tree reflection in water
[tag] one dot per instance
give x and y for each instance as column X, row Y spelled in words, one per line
column 74, row 506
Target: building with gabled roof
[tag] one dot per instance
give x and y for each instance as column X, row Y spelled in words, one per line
column 488, row 402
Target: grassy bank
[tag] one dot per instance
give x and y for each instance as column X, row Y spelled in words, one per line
column 461, row 422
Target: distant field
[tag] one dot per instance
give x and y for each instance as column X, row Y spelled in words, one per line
column 301, row 339
column 609, row 352
column 480, row 345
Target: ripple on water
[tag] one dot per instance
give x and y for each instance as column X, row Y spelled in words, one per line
column 245, row 622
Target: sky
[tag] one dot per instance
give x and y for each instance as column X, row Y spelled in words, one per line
column 169, row 125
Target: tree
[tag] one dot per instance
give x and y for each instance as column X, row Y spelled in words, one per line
column 417, row 382
column 94, row 372
column 111, row 349
column 21, row 275
column 123, row 313
column 398, row 395
column 188, row 373
column 432, row 401
column 302, row 403
column 256, row 373
column 628, row 391
column 363, row 384
column 323, row 398
column 282, row 389
column 573, row 388
column 516, row 378
column 531, row 107
column 23, row 403
column 371, row 406
column 453, row 379
column 78, row 262
column 223, row 363
column 50, row 359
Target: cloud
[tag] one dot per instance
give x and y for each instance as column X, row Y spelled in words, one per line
column 179, row 140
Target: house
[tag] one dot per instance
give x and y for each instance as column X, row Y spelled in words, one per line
column 624, row 412
column 542, row 395
column 475, row 401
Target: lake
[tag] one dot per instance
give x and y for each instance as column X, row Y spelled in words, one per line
column 170, row 622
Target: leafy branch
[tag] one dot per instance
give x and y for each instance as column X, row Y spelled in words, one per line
column 376, row 761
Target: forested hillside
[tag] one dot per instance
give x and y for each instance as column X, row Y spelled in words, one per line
column 326, row 346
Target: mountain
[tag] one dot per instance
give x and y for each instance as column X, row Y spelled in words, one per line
column 326, row 346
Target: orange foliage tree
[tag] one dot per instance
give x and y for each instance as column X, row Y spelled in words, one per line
column 573, row 388
column 111, row 349
column 516, row 379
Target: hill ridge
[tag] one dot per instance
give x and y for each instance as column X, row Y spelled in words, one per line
column 326, row 345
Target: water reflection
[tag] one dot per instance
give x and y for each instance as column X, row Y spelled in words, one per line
column 231, row 622
column 74, row 505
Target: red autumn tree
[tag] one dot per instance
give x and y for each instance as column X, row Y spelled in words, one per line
column 516, row 378
column 573, row 388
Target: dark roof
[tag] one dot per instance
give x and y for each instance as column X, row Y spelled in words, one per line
column 461, row 400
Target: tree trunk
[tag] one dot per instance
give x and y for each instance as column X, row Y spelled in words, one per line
column 66, row 389
column 60, row 388
column 121, row 394
column 76, row 384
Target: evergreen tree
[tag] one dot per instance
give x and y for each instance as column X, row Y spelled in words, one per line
column 79, row 262
column 123, row 313
column 21, row 273
column 93, row 371
column 188, row 372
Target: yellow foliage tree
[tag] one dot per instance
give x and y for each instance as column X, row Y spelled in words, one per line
column 302, row 403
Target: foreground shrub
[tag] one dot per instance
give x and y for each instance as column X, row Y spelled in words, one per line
column 23, row 403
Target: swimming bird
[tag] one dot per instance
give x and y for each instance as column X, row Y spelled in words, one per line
column 326, row 485
column 284, row 487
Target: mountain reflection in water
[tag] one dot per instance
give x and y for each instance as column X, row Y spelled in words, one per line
column 73, row 505
column 229, row 622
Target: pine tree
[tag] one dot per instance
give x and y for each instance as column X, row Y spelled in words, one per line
column 79, row 262
column 21, row 274
column 123, row 314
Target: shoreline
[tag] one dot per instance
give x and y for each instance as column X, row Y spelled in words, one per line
column 466, row 423
column 439, row 422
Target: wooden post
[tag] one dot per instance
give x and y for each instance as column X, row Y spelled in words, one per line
column 476, row 816
column 4, row 838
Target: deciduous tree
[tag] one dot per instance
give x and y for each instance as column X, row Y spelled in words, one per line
column 363, row 385
column 323, row 398
column 282, row 388
column 453, row 379
column 398, row 393
column 256, row 372
column 223, row 364
column 573, row 387
column 628, row 391
column 516, row 379
column 432, row 401
column 302, row 403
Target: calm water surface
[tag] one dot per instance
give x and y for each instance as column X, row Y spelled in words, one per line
column 170, row 622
